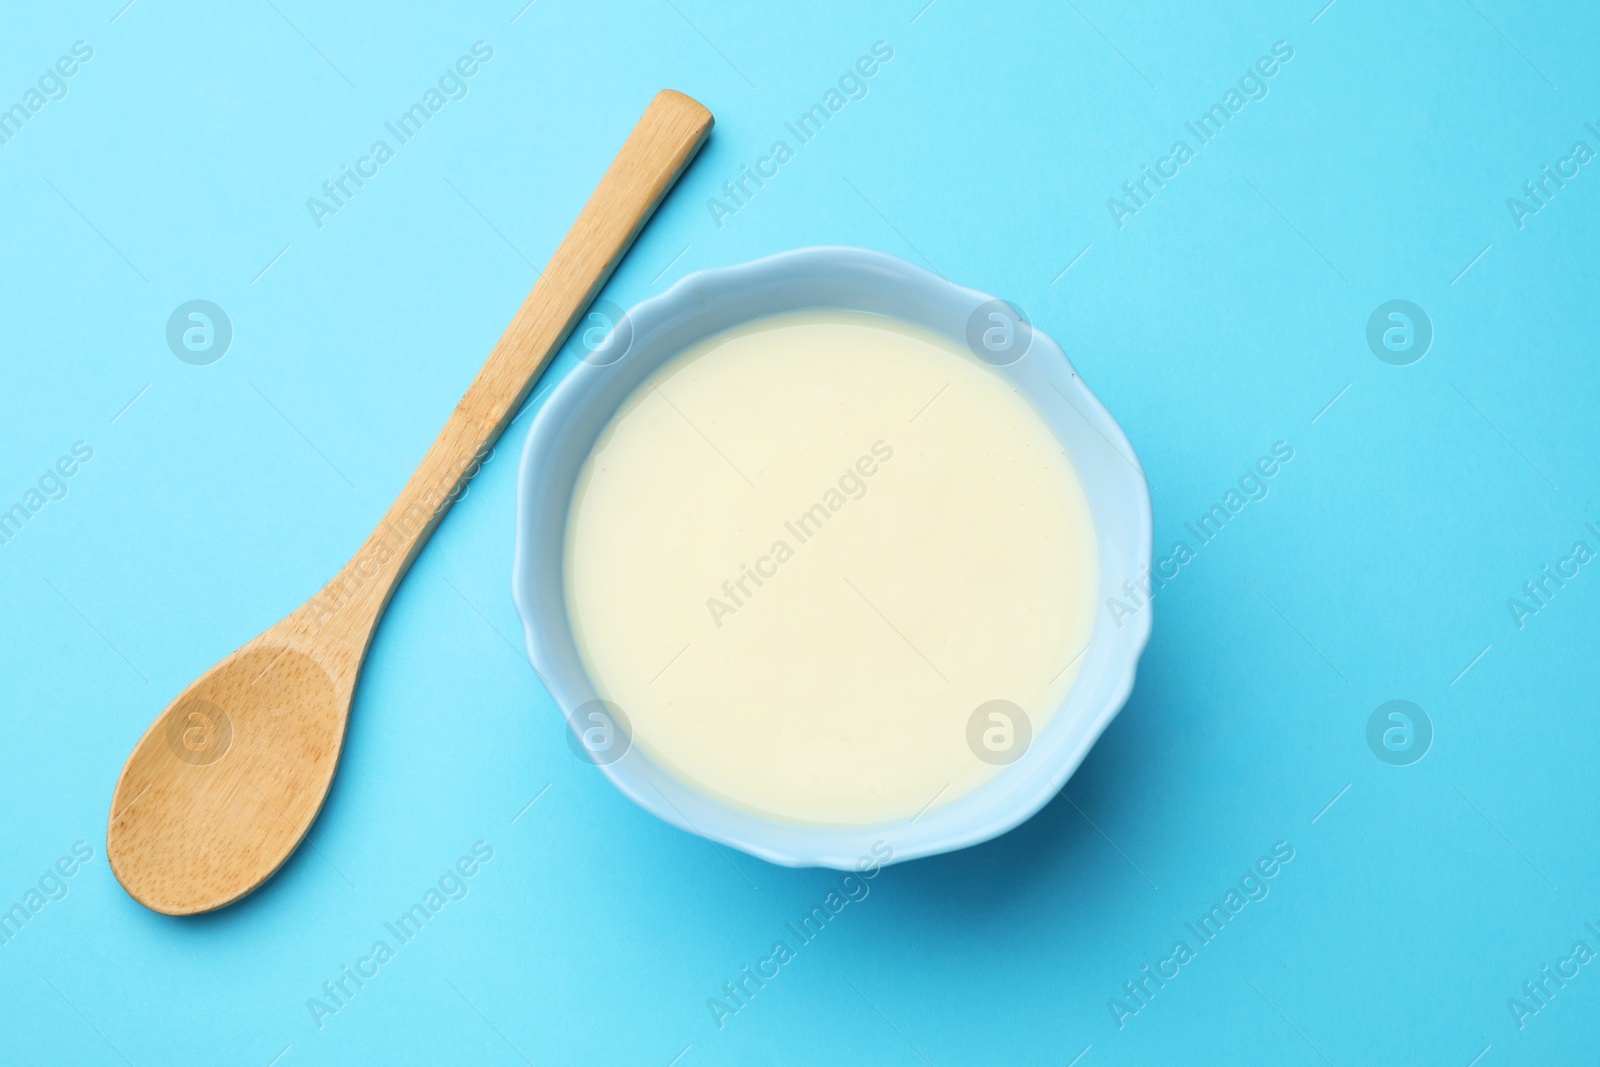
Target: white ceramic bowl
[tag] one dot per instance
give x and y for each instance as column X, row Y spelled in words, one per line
column 707, row 302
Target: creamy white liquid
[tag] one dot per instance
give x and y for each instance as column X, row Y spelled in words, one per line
column 826, row 672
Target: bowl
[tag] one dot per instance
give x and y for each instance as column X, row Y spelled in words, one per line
column 618, row 350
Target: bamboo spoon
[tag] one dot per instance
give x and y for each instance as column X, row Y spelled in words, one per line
column 226, row 782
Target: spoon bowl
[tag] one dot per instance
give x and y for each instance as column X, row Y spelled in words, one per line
column 224, row 783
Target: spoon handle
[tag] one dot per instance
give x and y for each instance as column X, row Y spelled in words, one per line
column 666, row 138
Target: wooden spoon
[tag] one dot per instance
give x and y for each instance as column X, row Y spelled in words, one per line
column 226, row 782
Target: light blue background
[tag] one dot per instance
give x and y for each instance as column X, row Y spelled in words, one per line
column 1223, row 317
